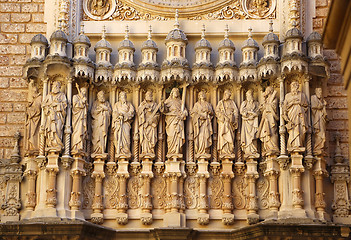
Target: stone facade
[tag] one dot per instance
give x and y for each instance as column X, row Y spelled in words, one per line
column 152, row 138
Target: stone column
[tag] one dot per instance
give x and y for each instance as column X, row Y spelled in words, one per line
column 319, row 172
column 52, row 168
column 98, row 174
column 272, row 173
column 202, row 175
column 122, row 203
column 30, row 174
column 146, row 175
column 227, row 203
column 251, row 175
column 297, row 194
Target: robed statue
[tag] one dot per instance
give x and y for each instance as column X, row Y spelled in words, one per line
column 54, row 106
column 148, row 116
column 268, row 129
column 33, row 116
column 319, row 121
column 123, row 113
column 79, row 120
column 295, row 108
column 201, row 115
column 175, row 113
column 100, row 113
column 227, row 117
column 249, row 112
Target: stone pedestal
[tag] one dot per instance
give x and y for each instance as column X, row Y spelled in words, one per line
column 297, row 194
column 202, row 175
column 319, row 172
column 272, row 173
column 51, row 199
column 146, row 201
column 251, row 177
column 98, row 174
column 227, row 175
column 31, row 175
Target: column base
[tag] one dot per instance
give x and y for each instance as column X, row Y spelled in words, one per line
column 97, row 218
column 5, row 219
column 203, row 218
column 27, row 214
column 252, row 218
column 77, row 214
column 174, row 219
column 228, row 219
column 298, row 213
column 323, row 216
column 122, row 218
column 273, row 215
column 45, row 212
column 146, row 218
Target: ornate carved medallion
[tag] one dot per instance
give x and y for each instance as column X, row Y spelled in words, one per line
column 99, row 9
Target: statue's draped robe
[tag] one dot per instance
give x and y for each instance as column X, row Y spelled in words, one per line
column 33, row 123
column 268, row 130
column 295, row 109
column 54, row 106
column 202, row 114
column 100, row 113
column 79, row 123
column 174, row 125
column 148, row 126
column 319, row 120
column 122, row 139
column 249, row 112
column 227, row 118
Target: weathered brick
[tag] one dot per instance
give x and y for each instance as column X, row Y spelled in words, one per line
column 317, row 23
column 19, row 107
column 335, row 79
column 336, row 125
column 335, row 66
column 338, row 115
column 20, row 17
column 36, row 27
column 4, row 17
column 4, row 60
column 6, row 142
column 26, row 37
column 30, row 7
column 6, row 107
column 17, row 49
column 336, row 91
column 9, row 129
column 322, row 12
column 330, row 54
column 41, row 8
column 18, row 83
column 2, row 118
column 18, row 59
column 10, row 7
column 4, row 49
column 11, row 71
column 16, row 117
column 336, row 102
column 13, row 95
column 38, row 17
column 4, row 82
column 321, row 3
column 12, row 27
column 8, row 38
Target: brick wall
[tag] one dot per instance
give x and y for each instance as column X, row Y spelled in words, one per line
column 336, row 95
column 20, row 20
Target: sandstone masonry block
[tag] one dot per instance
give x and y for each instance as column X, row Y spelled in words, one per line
column 20, row 17
column 36, row 27
column 321, row 3
column 6, row 107
column 330, row 54
column 336, row 91
column 322, row 12
column 4, row 82
column 4, row 17
column 13, row 95
column 335, row 79
column 18, row 59
column 4, row 60
column 19, row 107
column 12, row 27
column 17, row 49
column 9, row 129
column 30, row 7
column 38, row 17
column 16, row 117
column 8, row 38
column 18, row 83
column 317, row 23
column 3, row 118
column 336, row 102
column 10, row 7
column 26, row 37
column 11, row 71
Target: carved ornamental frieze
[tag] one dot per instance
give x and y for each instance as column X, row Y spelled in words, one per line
column 164, row 10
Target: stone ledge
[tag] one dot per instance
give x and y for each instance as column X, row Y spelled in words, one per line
column 68, row 229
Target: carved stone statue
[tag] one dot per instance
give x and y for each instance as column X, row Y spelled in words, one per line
column 268, row 129
column 295, row 114
column 99, row 7
column 319, row 121
column 100, row 113
column 33, row 116
column 123, row 113
column 227, row 117
column 148, row 116
column 54, row 107
column 79, row 120
column 175, row 116
column 202, row 114
column 249, row 111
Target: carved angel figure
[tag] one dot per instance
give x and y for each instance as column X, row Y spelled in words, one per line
column 54, row 107
column 202, row 114
column 79, row 120
column 123, row 113
column 175, row 116
column 100, row 113
column 33, row 116
column 295, row 114
column 268, row 129
column 148, row 116
column 227, row 118
column 249, row 111
column 319, row 121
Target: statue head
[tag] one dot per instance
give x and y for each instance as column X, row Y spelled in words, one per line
column 101, row 96
column 149, row 96
column 123, row 96
column 249, row 95
column 202, row 95
column 227, row 94
column 175, row 93
column 56, row 87
column 319, row 92
column 294, row 87
column 84, row 91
